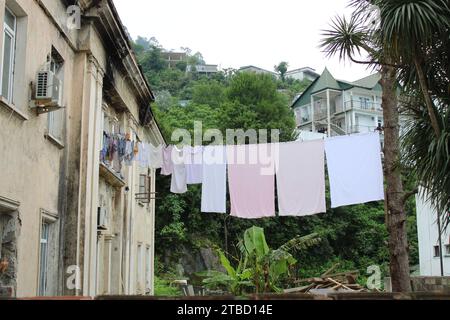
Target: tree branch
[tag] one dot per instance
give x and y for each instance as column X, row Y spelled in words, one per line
column 409, row 194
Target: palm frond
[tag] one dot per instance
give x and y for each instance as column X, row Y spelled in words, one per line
column 301, row 243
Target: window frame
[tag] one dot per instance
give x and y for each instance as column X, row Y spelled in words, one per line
column 56, row 63
column 50, row 220
column 436, row 251
column 139, row 262
column 43, row 259
column 12, row 33
column 447, row 250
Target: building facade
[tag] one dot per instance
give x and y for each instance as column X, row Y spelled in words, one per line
column 174, row 58
column 428, row 234
column 301, row 74
column 203, row 69
column 258, row 70
column 72, row 223
column 339, row 107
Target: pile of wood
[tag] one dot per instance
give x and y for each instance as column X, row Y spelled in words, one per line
column 329, row 283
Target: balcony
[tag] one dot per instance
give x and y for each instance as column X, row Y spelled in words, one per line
column 368, row 106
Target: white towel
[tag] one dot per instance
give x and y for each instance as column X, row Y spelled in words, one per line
column 167, row 167
column 301, row 178
column 355, row 169
column 193, row 160
column 214, row 188
column 178, row 183
column 155, row 156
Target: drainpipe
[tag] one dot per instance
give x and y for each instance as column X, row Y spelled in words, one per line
column 312, row 114
column 441, row 257
column 328, row 113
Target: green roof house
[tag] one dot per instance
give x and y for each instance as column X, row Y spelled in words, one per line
column 338, row 107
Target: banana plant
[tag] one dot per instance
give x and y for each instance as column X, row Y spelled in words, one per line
column 260, row 269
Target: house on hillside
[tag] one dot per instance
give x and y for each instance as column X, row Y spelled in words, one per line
column 338, row 107
column 301, row 74
column 74, row 219
column 173, row 58
column 257, row 70
column 203, row 69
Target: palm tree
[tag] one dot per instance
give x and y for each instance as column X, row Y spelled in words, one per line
column 407, row 40
column 408, row 29
column 350, row 39
column 416, row 35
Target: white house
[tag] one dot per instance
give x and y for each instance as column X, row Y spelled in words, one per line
column 301, row 74
column 338, row 107
column 258, row 70
column 429, row 249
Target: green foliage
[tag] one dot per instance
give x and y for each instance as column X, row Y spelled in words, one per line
column 282, row 68
column 210, row 93
column 164, row 288
column 259, row 268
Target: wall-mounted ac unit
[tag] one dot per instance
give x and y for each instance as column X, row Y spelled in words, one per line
column 102, row 218
column 48, row 89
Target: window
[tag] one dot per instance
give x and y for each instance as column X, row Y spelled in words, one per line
column 144, row 195
column 56, row 118
column 447, row 250
column 139, row 266
column 364, row 103
column 43, row 260
column 48, row 255
column 8, row 59
column 437, row 251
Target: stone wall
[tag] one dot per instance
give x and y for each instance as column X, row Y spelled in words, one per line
column 431, row 284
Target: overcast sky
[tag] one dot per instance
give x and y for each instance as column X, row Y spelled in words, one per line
column 236, row 33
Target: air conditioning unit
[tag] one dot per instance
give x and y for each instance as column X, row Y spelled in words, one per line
column 48, row 89
column 102, row 218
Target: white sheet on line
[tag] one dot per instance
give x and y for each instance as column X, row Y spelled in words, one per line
column 355, row 169
column 178, row 183
column 301, row 178
column 214, row 188
column 193, row 161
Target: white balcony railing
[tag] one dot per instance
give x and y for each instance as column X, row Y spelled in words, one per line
column 361, row 105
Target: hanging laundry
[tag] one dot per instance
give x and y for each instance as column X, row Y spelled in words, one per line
column 214, row 188
column 143, row 155
column 155, row 156
column 116, row 163
column 193, row 161
column 121, row 146
column 178, row 183
column 301, row 178
column 129, row 152
column 355, row 169
column 252, row 185
column 167, row 167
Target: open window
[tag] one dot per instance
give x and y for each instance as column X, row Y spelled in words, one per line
column 55, row 120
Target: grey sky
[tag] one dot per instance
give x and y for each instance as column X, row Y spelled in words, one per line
column 235, row 33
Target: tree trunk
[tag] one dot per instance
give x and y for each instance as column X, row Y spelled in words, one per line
column 395, row 215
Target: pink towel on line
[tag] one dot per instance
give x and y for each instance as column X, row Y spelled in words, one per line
column 252, row 186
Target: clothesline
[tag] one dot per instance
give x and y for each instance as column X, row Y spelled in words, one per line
column 296, row 168
column 354, row 168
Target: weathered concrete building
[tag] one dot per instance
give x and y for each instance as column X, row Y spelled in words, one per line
column 71, row 223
